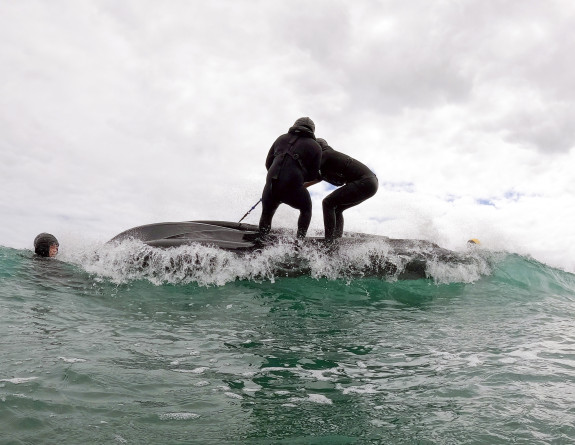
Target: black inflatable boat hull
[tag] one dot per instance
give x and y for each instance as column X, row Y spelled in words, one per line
column 222, row 234
column 240, row 238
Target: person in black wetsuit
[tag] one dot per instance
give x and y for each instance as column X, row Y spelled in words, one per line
column 292, row 160
column 357, row 182
column 46, row 245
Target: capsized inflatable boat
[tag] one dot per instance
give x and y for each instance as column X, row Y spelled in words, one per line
column 404, row 258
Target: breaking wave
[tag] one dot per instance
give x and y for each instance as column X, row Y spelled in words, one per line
column 133, row 260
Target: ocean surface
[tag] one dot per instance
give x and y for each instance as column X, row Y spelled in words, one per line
column 132, row 345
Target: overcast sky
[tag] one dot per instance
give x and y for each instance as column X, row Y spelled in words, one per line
column 117, row 113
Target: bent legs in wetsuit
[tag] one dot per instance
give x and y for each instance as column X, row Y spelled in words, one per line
column 276, row 192
column 349, row 195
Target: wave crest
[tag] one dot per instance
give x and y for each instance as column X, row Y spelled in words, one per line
column 133, row 260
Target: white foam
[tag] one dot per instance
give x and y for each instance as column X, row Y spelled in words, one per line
column 474, row 360
column 321, row 399
column 207, row 266
column 199, row 370
column 525, row 354
column 445, row 273
column 366, row 389
column 313, row 398
column 19, row 380
column 72, row 360
column 319, row 374
column 179, row 416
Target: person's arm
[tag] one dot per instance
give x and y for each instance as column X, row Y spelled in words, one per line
column 270, row 157
column 316, row 162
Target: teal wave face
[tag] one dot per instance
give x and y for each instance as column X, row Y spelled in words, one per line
column 309, row 359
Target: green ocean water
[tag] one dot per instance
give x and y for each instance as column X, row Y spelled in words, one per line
column 102, row 351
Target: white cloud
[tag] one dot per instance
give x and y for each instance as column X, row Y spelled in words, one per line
column 115, row 114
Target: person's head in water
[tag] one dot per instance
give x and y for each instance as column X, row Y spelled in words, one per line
column 46, row 245
column 305, row 122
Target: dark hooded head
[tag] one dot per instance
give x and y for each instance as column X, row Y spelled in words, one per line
column 304, row 122
column 43, row 242
column 322, row 143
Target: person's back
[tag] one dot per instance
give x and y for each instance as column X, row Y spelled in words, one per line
column 295, row 153
column 356, row 181
column 293, row 159
column 338, row 168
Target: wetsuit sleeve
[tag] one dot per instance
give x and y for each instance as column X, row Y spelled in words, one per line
column 316, row 163
column 270, row 157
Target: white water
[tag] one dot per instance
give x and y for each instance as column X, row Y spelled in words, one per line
column 206, row 266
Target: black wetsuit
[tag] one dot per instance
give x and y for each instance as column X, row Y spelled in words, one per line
column 293, row 159
column 358, row 181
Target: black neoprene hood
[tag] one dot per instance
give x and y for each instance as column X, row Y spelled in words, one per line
column 43, row 242
column 305, row 122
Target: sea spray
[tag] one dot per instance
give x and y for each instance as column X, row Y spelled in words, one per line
column 367, row 257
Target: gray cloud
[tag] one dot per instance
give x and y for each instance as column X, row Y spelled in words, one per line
column 114, row 114
column 550, row 130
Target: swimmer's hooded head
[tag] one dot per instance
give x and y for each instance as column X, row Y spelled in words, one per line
column 46, row 245
column 303, row 124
